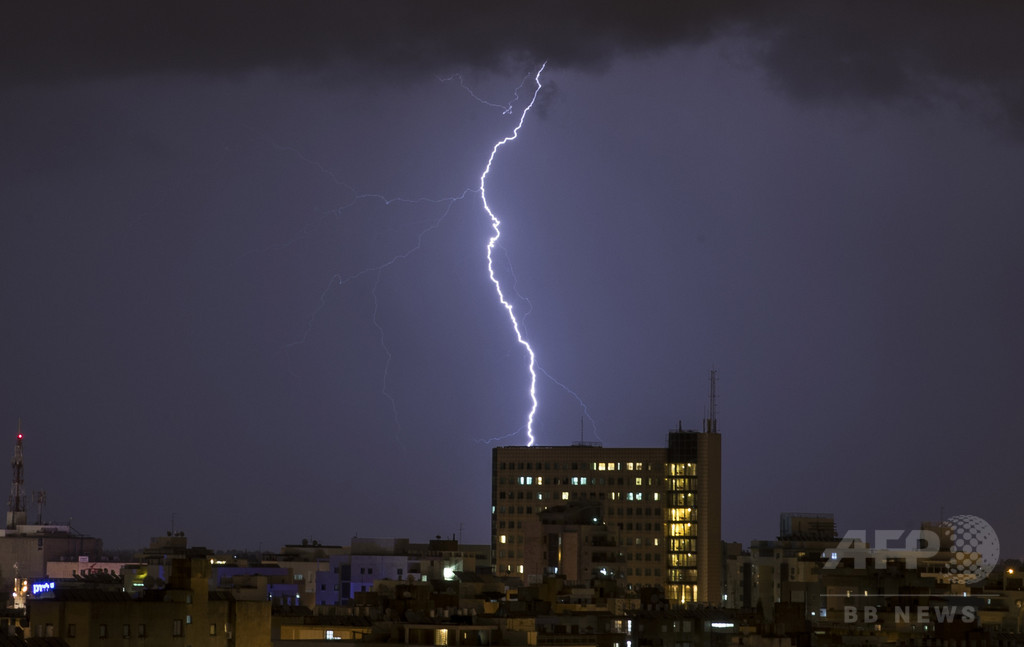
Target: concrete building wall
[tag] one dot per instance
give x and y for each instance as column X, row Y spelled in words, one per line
column 251, row 624
column 31, row 552
column 709, row 506
column 627, row 482
column 632, row 486
column 367, row 569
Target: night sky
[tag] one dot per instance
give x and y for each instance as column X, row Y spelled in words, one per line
column 237, row 288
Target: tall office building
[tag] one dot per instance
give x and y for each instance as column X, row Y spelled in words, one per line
column 654, row 513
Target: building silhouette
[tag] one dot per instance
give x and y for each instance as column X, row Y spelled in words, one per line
column 649, row 517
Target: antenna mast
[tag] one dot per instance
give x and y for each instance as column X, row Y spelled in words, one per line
column 711, row 422
column 16, row 515
column 40, row 499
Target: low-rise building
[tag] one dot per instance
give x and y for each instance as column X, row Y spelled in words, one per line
column 184, row 612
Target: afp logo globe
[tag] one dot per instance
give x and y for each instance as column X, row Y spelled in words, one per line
column 974, row 547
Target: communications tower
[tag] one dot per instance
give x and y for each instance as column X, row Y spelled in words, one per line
column 16, row 515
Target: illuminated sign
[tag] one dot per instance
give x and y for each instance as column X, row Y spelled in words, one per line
column 43, row 587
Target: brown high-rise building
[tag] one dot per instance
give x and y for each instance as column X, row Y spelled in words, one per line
column 659, row 509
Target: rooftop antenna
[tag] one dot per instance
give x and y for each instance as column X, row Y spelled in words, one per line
column 711, row 422
column 16, row 504
column 40, row 499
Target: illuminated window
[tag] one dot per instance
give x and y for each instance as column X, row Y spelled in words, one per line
column 575, row 480
column 681, row 514
column 639, row 481
column 540, row 480
column 503, row 539
column 440, row 636
column 565, row 496
column 629, row 466
column 657, row 495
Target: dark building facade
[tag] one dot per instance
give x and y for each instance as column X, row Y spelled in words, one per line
column 660, row 508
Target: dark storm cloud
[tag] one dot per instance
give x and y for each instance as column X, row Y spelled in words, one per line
column 131, row 37
column 814, row 50
column 889, row 50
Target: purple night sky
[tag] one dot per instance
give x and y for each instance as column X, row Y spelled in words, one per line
column 236, row 288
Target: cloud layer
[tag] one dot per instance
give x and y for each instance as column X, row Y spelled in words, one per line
column 813, row 50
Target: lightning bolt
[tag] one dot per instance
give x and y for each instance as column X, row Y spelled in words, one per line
column 375, row 272
column 584, row 409
column 496, row 226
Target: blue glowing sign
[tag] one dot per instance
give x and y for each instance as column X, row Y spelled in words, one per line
column 43, row 587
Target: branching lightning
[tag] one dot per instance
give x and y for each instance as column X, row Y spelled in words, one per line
column 377, row 271
column 504, row 289
column 505, row 109
column 496, row 225
column 339, row 279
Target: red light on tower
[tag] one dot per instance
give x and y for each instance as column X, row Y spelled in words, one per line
column 20, row 436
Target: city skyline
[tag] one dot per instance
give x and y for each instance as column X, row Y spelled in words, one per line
column 244, row 275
